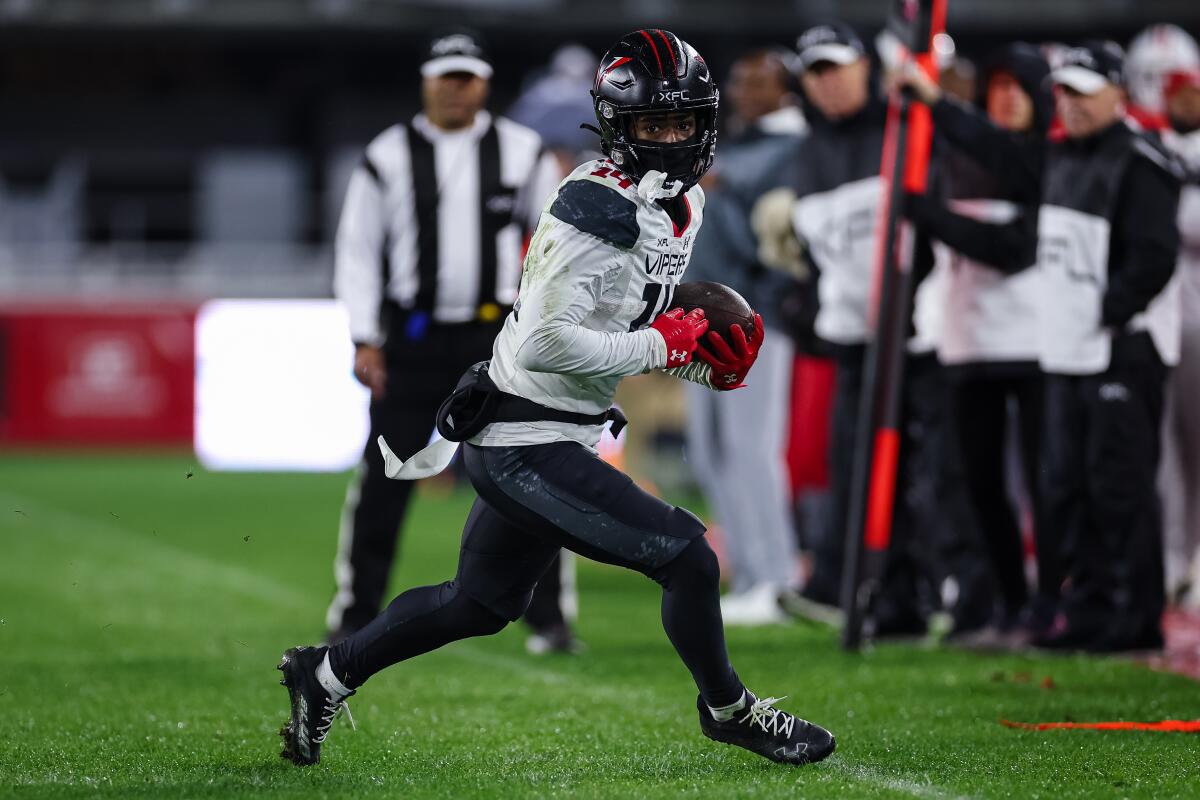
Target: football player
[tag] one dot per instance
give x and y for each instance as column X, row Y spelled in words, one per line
column 595, row 306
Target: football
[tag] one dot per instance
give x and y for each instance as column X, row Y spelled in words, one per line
column 723, row 307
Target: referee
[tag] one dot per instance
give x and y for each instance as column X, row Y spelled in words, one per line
column 428, row 259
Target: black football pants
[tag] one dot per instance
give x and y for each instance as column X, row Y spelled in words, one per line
column 1101, row 463
column 532, row 501
column 424, row 366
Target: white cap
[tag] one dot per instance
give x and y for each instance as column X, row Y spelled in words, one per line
column 444, row 65
column 456, row 51
column 1081, row 79
column 833, row 42
column 1090, row 67
column 837, row 53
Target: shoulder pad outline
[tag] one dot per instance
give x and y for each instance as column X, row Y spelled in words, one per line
column 598, row 210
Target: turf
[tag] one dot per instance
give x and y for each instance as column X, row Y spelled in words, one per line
column 143, row 612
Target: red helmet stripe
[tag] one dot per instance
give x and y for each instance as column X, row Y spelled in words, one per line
column 654, row 47
column 615, row 64
column 670, row 50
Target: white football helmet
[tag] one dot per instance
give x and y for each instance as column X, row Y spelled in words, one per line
column 1156, row 51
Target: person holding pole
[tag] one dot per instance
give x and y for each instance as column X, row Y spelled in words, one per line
column 839, row 194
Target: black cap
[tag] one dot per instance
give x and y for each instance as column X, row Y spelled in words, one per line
column 1090, row 67
column 458, row 50
column 834, row 41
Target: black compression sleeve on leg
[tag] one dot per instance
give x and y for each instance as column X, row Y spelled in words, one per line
column 545, row 608
column 416, row 622
column 691, row 616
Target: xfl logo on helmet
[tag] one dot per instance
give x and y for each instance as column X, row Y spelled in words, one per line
column 671, row 97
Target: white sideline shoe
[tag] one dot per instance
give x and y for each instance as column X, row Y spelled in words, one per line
column 756, row 606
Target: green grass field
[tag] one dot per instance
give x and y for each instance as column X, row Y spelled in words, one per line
column 142, row 613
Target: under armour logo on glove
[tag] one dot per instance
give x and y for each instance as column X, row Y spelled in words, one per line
column 728, row 365
column 681, row 333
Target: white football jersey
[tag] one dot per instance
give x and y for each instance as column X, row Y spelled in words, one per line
column 603, row 263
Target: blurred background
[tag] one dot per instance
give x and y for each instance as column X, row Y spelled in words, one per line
column 159, row 154
column 172, row 174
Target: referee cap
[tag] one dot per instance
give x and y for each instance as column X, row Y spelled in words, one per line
column 456, row 51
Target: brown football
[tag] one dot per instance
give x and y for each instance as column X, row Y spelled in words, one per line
column 723, row 307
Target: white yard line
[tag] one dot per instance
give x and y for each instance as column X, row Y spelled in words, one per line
column 881, row 780
column 528, row 668
column 48, row 520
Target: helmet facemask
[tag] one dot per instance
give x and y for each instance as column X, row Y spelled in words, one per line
column 684, row 162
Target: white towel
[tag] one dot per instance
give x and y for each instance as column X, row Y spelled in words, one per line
column 425, row 463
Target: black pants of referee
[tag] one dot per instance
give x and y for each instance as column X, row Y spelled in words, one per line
column 424, row 365
column 981, row 397
column 532, row 501
column 1101, row 465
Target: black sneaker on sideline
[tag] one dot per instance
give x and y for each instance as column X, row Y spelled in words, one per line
column 761, row 728
column 313, row 708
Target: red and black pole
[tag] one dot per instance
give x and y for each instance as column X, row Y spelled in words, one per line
column 905, row 168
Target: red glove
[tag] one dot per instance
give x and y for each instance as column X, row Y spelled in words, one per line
column 681, row 333
column 728, row 366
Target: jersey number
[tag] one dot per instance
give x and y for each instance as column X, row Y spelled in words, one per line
column 616, row 175
column 652, row 294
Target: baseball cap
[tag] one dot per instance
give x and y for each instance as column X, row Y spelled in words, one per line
column 835, row 42
column 456, row 51
column 1092, row 66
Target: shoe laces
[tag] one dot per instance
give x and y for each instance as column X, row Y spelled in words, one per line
column 773, row 721
column 331, row 710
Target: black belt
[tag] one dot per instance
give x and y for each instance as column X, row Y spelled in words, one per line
column 477, row 402
column 511, row 408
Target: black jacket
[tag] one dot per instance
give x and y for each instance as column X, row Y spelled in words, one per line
column 974, row 158
column 837, row 152
column 1144, row 242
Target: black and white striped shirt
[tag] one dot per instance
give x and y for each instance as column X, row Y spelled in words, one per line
column 435, row 221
